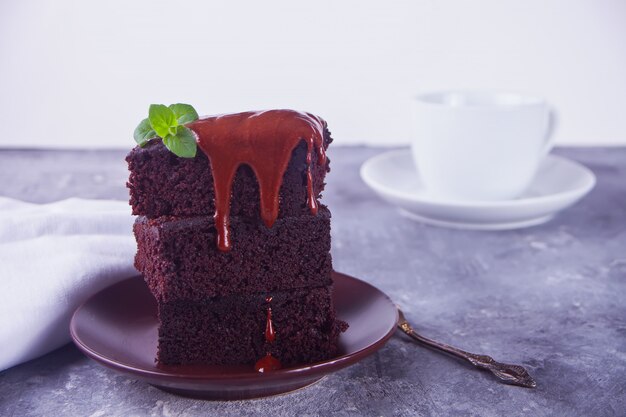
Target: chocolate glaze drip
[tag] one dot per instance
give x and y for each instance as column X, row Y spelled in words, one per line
column 268, row 362
column 263, row 140
column 270, row 334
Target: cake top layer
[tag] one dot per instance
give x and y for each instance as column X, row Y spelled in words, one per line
column 263, row 140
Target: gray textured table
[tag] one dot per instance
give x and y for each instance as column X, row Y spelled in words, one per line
column 552, row 297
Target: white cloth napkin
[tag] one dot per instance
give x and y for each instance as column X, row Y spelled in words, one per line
column 52, row 258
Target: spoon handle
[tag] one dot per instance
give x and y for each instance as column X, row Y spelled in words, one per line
column 511, row 374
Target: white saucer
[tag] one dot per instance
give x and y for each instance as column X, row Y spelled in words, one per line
column 558, row 184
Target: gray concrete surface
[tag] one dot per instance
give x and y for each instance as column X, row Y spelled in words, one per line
column 552, row 298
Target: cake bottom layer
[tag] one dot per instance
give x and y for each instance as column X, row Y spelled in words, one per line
column 231, row 330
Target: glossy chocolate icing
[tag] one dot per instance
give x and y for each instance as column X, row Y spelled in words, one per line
column 263, row 140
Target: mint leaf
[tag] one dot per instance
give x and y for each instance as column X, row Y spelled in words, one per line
column 182, row 144
column 184, row 113
column 144, row 132
column 162, row 120
column 167, row 122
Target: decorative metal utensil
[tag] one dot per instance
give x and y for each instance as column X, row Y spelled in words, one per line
column 510, row 374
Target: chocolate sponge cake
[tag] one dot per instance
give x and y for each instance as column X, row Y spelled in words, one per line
column 234, row 243
column 262, row 259
column 304, row 320
column 162, row 184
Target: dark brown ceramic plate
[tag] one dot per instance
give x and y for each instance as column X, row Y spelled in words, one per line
column 118, row 328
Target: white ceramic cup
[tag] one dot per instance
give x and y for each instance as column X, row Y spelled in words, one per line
column 479, row 145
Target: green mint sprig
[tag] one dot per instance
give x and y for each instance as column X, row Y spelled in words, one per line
column 167, row 122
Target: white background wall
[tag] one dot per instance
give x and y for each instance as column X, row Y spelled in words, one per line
column 81, row 73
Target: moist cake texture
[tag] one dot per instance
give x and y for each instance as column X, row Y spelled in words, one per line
column 234, row 243
column 198, row 332
column 162, row 184
column 178, row 259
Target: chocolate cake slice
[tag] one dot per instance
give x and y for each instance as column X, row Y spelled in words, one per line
column 178, row 259
column 163, row 184
column 231, row 330
column 234, row 244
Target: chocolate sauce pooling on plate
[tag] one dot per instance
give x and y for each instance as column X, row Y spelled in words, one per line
column 263, row 140
column 268, row 362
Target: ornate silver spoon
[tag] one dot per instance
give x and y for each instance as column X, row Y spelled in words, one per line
column 510, row 374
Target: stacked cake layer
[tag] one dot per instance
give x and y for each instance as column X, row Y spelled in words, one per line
column 162, row 184
column 231, row 329
column 215, row 306
column 262, row 259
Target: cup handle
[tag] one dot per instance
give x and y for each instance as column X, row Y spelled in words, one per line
column 553, row 122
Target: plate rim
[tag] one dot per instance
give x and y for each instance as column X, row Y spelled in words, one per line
column 307, row 370
column 474, row 204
